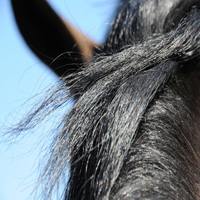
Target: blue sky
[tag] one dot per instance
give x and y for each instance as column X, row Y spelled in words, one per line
column 23, row 76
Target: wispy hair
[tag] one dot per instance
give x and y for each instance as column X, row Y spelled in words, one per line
column 133, row 132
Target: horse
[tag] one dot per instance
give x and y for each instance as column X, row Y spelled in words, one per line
column 133, row 131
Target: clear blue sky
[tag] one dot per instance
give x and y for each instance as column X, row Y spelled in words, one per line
column 23, row 76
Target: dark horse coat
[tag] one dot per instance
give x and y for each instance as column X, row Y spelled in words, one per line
column 133, row 132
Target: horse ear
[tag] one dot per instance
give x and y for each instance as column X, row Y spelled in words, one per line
column 62, row 47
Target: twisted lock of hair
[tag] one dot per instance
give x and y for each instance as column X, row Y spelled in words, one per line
column 125, row 88
column 133, row 130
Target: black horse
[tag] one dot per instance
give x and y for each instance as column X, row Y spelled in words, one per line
column 133, row 132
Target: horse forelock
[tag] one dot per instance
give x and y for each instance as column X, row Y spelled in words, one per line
column 133, row 130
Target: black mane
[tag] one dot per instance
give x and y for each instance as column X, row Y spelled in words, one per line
column 133, row 130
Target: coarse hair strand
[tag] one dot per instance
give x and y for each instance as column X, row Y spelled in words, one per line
column 133, row 132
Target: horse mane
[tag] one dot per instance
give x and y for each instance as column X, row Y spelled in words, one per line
column 132, row 132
